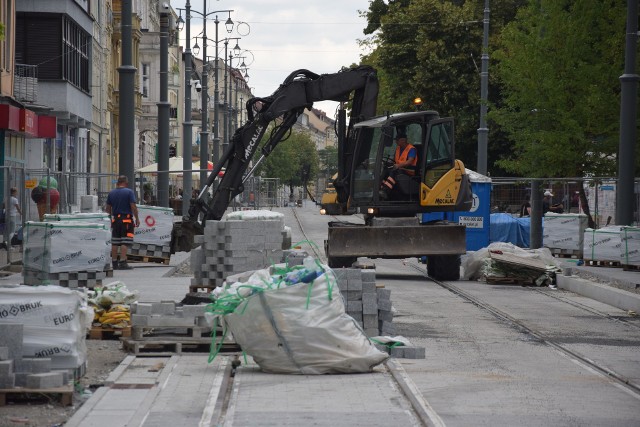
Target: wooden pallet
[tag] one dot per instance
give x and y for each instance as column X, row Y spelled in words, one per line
column 142, row 332
column 169, row 347
column 601, row 263
column 630, row 267
column 101, row 333
column 145, row 258
column 65, row 393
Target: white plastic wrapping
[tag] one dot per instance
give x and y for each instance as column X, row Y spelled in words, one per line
column 55, row 320
column 156, row 224
column 254, row 215
column 91, row 217
column 630, row 239
column 66, row 246
column 284, row 335
column 564, row 231
column 473, row 262
column 603, row 244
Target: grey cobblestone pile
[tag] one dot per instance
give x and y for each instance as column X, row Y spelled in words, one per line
column 234, row 246
column 367, row 303
column 149, row 250
column 168, row 314
column 72, row 279
column 29, row 372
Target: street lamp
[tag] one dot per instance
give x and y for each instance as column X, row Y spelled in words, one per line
column 187, row 125
column 204, row 132
column 235, row 76
column 225, row 141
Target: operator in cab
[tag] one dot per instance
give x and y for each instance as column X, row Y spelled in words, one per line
column 404, row 162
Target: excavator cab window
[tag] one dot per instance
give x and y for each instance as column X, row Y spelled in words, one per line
column 365, row 180
column 439, row 150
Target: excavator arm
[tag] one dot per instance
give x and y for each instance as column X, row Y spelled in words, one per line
column 299, row 91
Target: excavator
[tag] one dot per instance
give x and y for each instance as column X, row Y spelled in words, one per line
column 391, row 226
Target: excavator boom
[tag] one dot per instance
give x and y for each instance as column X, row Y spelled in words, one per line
column 299, row 91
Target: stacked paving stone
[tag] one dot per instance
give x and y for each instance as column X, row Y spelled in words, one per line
column 150, row 250
column 67, row 251
column 152, row 239
column 71, row 279
column 168, row 314
column 368, row 304
column 29, row 372
column 234, row 246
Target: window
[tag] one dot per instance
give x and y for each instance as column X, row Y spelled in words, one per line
column 57, row 45
column 144, row 84
column 76, row 45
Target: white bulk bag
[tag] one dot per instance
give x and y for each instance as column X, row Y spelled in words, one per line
column 303, row 329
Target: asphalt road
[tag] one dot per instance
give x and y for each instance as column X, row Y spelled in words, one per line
column 507, row 355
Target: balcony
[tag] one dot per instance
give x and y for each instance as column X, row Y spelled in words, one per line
column 25, row 84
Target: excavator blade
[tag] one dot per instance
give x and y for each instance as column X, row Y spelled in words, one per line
column 395, row 242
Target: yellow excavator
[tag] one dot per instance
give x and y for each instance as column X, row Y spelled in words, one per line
column 365, row 151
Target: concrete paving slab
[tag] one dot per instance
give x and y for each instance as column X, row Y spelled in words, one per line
column 262, row 399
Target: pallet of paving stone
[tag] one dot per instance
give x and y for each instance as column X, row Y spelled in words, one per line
column 602, row 263
column 159, row 332
column 630, row 267
column 168, row 347
column 143, row 258
column 72, row 279
column 101, row 333
column 44, row 395
column 566, row 253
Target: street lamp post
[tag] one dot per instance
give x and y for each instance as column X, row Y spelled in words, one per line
column 225, row 141
column 204, row 131
column 187, row 125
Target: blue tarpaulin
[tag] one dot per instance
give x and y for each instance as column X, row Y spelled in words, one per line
column 506, row 228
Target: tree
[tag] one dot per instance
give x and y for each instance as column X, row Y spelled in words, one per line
column 294, row 161
column 559, row 64
column 328, row 158
column 432, row 49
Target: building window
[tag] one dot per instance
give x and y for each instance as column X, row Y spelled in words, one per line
column 144, row 84
column 76, row 45
column 57, row 45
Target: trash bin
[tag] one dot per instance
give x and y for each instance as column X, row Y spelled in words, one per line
column 477, row 219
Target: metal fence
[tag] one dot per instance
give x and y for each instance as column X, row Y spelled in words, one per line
column 258, row 192
column 508, row 195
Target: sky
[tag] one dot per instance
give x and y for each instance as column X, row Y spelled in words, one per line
column 284, row 36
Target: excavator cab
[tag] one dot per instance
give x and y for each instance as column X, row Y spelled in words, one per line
column 438, row 181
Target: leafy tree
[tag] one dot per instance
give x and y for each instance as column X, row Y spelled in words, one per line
column 559, row 65
column 432, row 49
column 328, row 158
column 294, row 161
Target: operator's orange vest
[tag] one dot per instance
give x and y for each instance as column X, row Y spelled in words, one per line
column 403, row 157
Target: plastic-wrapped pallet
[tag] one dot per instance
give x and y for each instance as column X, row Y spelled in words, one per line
column 602, row 244
column 65, row 246
column 55, row 320
column 564, row 232
column 156, row 224
column 91, row 217
column 630, row 240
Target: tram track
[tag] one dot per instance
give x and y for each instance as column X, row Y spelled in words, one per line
column 579, row 358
